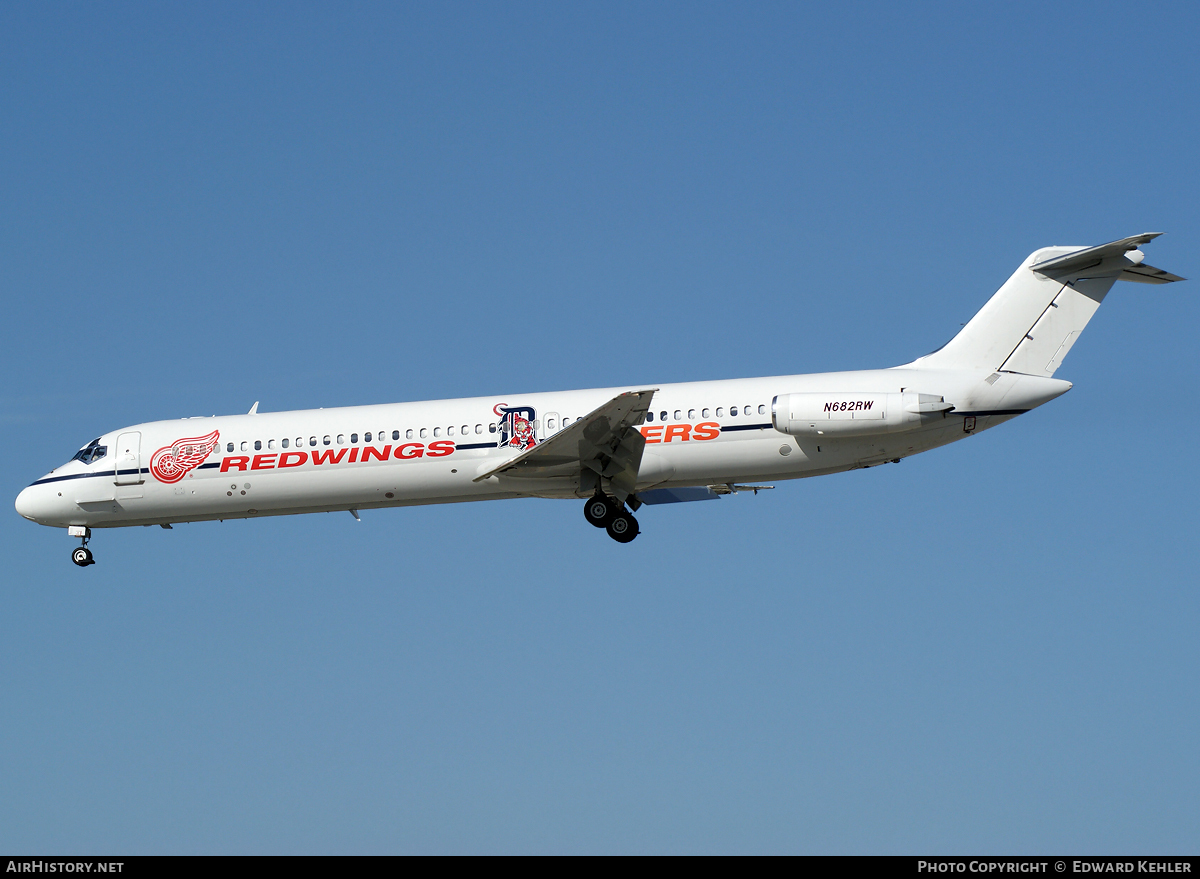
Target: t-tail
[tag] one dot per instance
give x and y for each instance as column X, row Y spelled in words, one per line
column 1031, row 322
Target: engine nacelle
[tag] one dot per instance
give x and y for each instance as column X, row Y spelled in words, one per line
column 854, row 414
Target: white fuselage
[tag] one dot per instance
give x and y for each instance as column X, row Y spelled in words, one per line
column 701, row 433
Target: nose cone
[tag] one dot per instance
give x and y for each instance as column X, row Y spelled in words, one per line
column 33, row 503
column 24, row 503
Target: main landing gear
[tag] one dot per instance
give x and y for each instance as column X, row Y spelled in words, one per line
column 604, row 512
column 81, row 555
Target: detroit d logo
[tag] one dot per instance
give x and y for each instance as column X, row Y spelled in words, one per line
column 516, row 427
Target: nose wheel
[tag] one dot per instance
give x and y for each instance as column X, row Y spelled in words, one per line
column 604, row 512
column 81, row 555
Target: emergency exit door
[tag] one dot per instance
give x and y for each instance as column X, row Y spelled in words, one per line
column 128, row 463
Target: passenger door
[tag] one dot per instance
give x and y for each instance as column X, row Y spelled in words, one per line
column 128, row 462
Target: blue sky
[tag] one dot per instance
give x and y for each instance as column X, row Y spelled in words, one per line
column 988, row 648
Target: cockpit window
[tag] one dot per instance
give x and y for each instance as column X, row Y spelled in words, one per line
column 92, row 452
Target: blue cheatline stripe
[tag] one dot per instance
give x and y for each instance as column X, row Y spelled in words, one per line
column 108, row 473
column 75, row 476
column 476, row 446
column 745, row 427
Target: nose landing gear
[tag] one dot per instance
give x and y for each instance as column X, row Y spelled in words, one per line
column 604, row 512
column 81, row 555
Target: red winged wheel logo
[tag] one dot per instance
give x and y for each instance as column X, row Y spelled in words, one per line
column 172, row 463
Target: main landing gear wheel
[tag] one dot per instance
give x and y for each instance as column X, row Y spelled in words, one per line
column 599, row 510
column 622, row 527
column 82, row 556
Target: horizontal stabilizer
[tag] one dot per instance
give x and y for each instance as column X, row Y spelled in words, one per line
column 1144, row 274
column 1080, row 260
column 1131, row 268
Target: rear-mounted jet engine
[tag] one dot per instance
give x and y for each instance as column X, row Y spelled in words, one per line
column 834, row 415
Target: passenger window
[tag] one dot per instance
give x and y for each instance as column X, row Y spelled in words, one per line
column 691, row 415
column 662, row 416
column 762, row 410
column 283, row 442
column 270, row 444
column 300, row 441
column 408, row 434
column 492, row 427
column 479, row 428
column 747, row 411
column 703, row 413
column 326, row 439
column 437, row 431
column 354, row 439
column 649, row 416
column 367, row 437
column 245, row 446
column 229, row 447
column 395, row 434
column 551, row 424
column 424, row 432
column 678, row 415
column 720, row 412
column 733, row 411
column 341, row 439
column 312, row 440
column 258, row 445
column 450, row 430
column 466, row 429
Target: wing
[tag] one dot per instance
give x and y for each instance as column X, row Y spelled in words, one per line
column 605, row 442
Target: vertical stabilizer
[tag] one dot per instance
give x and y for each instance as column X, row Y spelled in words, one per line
column 1032, row 321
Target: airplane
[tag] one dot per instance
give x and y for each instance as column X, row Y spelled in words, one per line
column 618, row 448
